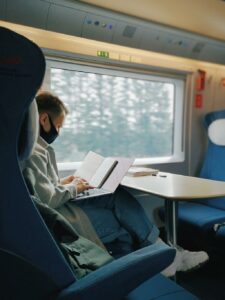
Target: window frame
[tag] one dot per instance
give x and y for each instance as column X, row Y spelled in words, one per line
column 179, row 93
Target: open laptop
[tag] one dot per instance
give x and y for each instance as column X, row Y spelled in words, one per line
column 104, row 173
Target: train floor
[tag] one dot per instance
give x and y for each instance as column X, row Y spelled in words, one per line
column 207, row 282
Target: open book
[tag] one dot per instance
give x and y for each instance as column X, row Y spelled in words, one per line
column 104, row 173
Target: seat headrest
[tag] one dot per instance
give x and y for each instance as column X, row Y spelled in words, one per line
column 28, row 132
column 213, row 116
column 216, row 132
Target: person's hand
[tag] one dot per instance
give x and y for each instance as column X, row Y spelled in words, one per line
column 81, row 185
column 67, row 180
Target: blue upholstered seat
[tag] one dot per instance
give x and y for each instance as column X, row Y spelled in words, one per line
column 161, row 288
column 32, row 265
column 214, row 161
column 198, row 218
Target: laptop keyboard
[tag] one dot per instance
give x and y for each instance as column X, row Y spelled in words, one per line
column 92, row 193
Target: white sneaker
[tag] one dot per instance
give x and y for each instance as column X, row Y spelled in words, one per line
column 185, row 261
column 191, row 260
column 172, row 269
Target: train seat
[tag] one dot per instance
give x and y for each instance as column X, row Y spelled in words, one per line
column 203, row 214
column 32, row 265
column 159, row 287
column 214, row 162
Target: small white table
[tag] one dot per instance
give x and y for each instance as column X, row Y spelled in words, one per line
column 174, row 188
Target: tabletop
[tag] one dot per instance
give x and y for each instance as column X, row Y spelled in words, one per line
column 176, row 187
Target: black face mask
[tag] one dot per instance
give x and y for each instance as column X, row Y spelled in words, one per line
column 50, row 136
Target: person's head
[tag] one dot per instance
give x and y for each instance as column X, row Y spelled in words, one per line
column 52, row 113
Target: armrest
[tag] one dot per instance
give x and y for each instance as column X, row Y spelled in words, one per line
column 116, row 279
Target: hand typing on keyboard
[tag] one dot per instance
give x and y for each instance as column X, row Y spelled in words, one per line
column 81, row 185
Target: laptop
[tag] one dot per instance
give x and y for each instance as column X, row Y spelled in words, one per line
column 105, row 174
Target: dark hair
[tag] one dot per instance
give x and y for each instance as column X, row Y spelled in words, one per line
column 50, row 104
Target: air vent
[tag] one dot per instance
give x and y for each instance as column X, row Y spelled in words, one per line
column 129, row 31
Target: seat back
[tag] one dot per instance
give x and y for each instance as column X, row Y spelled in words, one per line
column 32, row 266
column 214, row 162
column 22, row 230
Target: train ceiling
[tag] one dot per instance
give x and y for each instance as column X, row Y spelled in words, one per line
column 137, row 24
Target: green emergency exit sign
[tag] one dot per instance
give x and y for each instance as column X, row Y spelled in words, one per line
column 103, row 54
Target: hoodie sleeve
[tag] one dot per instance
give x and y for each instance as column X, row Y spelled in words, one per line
column 47, row 186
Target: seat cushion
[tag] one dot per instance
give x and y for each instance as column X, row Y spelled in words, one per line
column 197, row 216
column 159, row 287
column 196, row 226
column 200, row 216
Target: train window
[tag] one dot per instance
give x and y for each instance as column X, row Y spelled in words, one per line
column 118, row 113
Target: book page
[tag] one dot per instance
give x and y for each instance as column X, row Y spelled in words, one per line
column 89, row 166
column 103, row 172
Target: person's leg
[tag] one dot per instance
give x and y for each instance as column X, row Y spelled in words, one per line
column 133, row 217
column 116, row 239
column 127, row 211
column 80, row 222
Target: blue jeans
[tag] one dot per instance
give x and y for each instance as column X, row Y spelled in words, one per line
column 115, row 214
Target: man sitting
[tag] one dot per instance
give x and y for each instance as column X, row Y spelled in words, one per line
column 120, row 210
